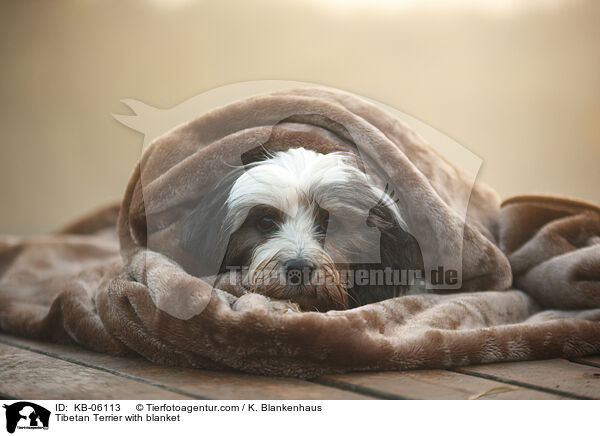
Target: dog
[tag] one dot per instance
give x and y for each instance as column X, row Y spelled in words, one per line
column 295, row 225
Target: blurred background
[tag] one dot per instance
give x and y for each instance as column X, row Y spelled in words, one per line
column 516, row 82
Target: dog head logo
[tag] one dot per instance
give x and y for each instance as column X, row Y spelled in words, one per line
column 26, row 415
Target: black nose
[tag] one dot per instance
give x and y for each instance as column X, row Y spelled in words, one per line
column 298, row 271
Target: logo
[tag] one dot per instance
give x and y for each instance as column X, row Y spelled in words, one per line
column 26, row 415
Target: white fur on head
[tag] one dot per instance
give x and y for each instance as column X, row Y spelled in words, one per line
column 289, row 176
column 283, row 179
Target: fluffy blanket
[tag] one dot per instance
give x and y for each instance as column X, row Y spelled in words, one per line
column 117, row 281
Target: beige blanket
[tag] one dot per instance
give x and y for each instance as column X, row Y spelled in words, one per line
column 118, row 281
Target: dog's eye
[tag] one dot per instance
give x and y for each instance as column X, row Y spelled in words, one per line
column 265, row 223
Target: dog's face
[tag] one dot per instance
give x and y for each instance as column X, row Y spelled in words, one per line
column 293, row 222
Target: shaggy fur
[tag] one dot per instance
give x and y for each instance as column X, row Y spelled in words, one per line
column 127, row 291
column 296, row 225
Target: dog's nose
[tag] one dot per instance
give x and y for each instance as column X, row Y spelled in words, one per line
column 298, row 271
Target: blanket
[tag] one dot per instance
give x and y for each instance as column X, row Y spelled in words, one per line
column 118, row 281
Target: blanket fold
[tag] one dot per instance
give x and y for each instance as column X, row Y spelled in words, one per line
column 554, row 251
column 118, row 281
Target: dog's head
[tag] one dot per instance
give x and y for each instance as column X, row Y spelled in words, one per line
column 292, row 222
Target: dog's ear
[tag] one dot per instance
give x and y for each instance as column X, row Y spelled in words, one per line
column 204, row 234
column 398, row 247
column 399, row 250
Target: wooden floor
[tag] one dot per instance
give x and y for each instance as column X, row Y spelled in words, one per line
column 33, row 370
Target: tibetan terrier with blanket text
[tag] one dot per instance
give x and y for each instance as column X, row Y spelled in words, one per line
column 307, row 227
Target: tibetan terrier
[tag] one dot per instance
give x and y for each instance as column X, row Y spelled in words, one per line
column 307, row 227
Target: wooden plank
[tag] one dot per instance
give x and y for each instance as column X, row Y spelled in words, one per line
column 588, row 360
column 434, row 385
column 26, row 374
column 556, row 376
column 192, row 382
